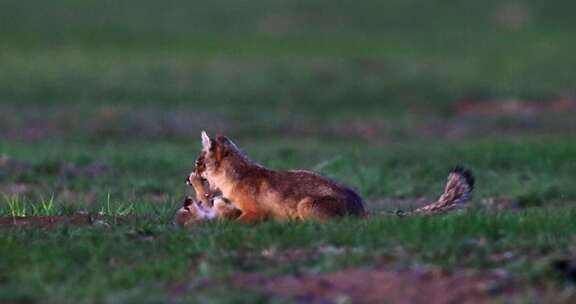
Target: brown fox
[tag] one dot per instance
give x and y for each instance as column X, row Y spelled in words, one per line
column 456, row 196
column 260, row 193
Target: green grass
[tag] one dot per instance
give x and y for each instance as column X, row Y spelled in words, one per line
column 145, row 257
column 142, row 258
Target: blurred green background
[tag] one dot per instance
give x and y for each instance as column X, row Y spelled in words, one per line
column 377, row 70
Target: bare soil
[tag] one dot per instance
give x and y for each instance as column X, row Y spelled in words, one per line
column 48, row 221
column 472, row 118
column 511, row 107
column 383, row 286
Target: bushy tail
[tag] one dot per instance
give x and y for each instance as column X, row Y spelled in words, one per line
column 456, row 195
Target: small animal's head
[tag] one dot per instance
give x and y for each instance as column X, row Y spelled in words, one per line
column 187, row 214
column 193, row 211
column 216, row 155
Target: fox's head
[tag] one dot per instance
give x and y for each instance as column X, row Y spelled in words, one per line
column 218, row 158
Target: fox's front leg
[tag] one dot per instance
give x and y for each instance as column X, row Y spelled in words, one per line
column 197, row 183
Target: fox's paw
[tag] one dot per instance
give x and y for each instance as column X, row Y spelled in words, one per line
column 192, row 178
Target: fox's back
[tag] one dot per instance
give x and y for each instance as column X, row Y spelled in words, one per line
column 291, row 187
column 301, row 183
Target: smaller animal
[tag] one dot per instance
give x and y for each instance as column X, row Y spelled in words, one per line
column 193, row 211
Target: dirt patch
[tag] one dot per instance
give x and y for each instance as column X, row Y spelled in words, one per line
column 383, row 286
column 511, row 107
column 34, row 123
column 285, row 255
column 500, row 203
column 10, row 166
column 151, row 123
column 72, row 219
column 70, row 170
column 66, row 169
column 14, row 167
column 367, row 129
column 16, row 188
column 473, row 118
column 48, row 220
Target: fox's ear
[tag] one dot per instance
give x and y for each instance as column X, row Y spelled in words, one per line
column 206, row 142
column 225, row 141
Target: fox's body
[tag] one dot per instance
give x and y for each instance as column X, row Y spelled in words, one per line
column 242, row 189
column 260, row 193
column 288, row 195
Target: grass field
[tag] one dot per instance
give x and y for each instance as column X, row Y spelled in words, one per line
column 102, row 103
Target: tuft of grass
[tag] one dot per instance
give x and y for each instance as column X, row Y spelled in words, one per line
column 16, row 207
column 44, row 207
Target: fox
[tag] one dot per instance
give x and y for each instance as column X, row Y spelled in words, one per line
column 260, row 193
column 456, row 195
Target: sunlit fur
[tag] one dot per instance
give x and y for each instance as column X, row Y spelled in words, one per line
column 260, row 193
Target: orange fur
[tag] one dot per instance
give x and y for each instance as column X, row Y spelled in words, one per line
column 202, row 194
column 260, row 193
